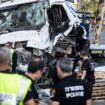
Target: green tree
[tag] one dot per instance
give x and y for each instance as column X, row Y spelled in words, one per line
column 94, row 6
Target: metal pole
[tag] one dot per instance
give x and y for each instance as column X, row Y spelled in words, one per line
column 102, row 18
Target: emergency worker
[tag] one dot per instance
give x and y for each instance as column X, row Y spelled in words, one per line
column 87, row 70
column 36, row 66
column 15, row 89
column 69, row 90
column 9, row 46
column 13, row 63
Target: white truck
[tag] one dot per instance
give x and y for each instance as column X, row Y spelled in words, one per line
column 39, row 23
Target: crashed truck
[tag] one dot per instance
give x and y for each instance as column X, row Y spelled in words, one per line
column 41, row 24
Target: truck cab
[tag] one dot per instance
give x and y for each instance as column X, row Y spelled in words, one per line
column 39, row 23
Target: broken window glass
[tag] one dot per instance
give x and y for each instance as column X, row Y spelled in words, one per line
column 23, row 17
column 58, row 19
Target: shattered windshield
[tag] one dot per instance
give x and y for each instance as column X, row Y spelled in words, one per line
column 23, row 17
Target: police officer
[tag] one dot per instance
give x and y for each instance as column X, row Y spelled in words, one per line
column 69, row 90
column 36, row 66
column 87, row 70
column 15, row 88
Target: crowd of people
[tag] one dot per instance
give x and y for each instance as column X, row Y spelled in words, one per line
column 72, row 75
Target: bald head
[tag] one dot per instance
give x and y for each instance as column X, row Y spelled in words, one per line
column 4, row 55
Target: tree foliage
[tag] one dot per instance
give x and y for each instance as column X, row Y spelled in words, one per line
column 92, row 6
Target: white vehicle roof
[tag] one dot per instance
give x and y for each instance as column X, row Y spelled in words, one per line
column 15, row 2
column 53, row 1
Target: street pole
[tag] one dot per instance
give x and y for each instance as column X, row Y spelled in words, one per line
column 102, row 18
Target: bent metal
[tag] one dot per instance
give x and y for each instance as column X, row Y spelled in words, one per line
column 1, row 1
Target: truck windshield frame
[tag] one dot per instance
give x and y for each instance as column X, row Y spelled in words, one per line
column 30, row 16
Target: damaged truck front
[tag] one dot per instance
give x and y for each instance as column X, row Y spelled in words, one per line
column 39, row 23
column 43, row 25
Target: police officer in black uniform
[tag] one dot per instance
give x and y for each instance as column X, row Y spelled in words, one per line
column 87, row 68
column 69, row 90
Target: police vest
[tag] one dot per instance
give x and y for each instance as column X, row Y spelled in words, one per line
column 13, row 88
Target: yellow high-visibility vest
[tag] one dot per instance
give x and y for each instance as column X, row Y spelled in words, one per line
column 13, row 88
